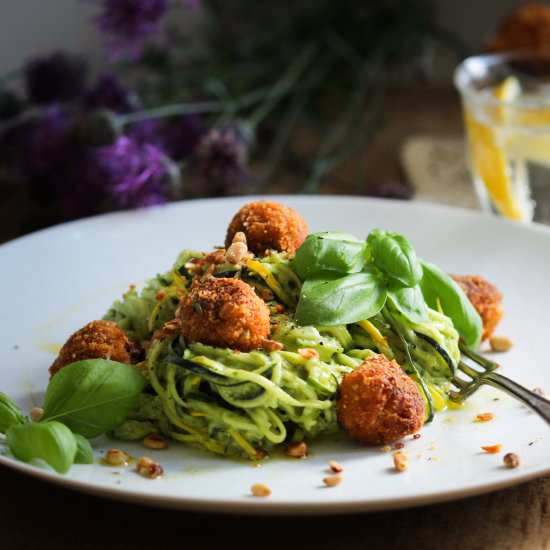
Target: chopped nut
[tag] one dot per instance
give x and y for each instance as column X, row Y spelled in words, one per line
column 511, row 460
column 272, row 345
column 155, row 441
column 147, row 467
column 399, row 445
column 116, row 457
column 260, row 490
column 385, row 449
column 297, row 449
column 500, row 343
column 236, row 252
column 400, row 461
column 332, row 481
column 417, row 436
column 335, row 467
column 309, row 353
column 36, row 413
column 484, row 417
column 217, row 257
column 492, row 449
column 239, row 237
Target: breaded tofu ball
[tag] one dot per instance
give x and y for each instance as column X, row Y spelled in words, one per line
column 486, row 298
column 96, row 340
column 224, row 312
column 268, row 226
column 379, row 403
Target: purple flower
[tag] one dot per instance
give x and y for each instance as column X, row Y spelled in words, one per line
column 128, row 24
column 391, row 190
column 109, row 93
column 181, row 136
column 54, row 78
column 191, row 5
column 220, row 163
column 134, row 174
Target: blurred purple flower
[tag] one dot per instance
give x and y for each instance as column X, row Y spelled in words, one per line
column 57, row 77
column 109, row 93
column 181, row 136
column 220, row 163
column 391, row 190
column 128, row 24
column 191, row 5
column 134, row 174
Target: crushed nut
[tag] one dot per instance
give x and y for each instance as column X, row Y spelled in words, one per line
column 500, row 343
column 260, row 490
column 271, row 345
column 511, row 460
column 400, row 461
column 147, row 467
column 155, row 441
column 492, row 449
column 309, row 353
column 216, row 257
column 116, row 457
column 332, row 481
column 236, row 252
column 484, row 417
column 335, row 467
column 297, row 449
column 36, row 413
column 239, row 237
column 417, row 436
column 385, row 449
column 399, row 445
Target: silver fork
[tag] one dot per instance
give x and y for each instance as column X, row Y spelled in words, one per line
column 485, row 374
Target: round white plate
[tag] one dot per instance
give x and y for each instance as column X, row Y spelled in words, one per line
column 55, row 281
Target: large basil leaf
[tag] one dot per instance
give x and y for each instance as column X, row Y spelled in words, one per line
column 440, row 290
column 395, row 255
column 410, row 302
column 52, row 442
column 10, row 413
column 93, row 396
column 329, row 251
column 330, row 299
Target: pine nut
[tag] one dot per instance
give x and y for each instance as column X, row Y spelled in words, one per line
column 36, row 413
column 260, row 490
column 400, row 461
column 155, row 441
column 500, row 343
column 147, row 467
column 332, row 481
column 335, row 467
column 116, row 457
column 297, row 449
column 511, row 460
column 236, row 252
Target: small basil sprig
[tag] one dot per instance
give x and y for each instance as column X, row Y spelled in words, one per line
column 84, row 452
column 441, row 292
column 394, row 255
column 410, row 302
column 93, row 396
column 329, row 251
column 10, row 414
column 51, row 442
column 331, row 299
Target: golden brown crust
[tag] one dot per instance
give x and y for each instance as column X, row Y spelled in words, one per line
column 486, row 298
column 379, row 403
column 96, row 340
column 268, row 226
column 224, row 312
column 525, row 29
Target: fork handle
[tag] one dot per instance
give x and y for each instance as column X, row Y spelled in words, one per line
column 538, row 403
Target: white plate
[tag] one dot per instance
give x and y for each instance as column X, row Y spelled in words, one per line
column 55, row 281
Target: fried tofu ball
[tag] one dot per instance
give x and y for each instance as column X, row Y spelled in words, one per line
column 224, row 312
column 379, row 403
column 96, row 340
column 486, row 298
column 268, row 226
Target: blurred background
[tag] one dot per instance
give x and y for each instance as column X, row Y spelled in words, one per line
column 116, row 104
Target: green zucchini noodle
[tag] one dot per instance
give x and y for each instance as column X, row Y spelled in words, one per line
column 246, row 404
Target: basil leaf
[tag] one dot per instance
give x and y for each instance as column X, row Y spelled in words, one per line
column 329, row 251
column 331, row 299
column 440, row 291
column 52, row 442
column 395, row 255
column 10, row 413
column 410, row 302
column 93, row 396
column 84, row 452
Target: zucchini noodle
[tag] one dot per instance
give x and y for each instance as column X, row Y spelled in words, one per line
column 246, row 404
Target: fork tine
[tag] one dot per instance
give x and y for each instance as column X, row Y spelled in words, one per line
column 469, row 371
column 459, row 383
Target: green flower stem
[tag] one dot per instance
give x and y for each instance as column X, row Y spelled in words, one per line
column 171, row 110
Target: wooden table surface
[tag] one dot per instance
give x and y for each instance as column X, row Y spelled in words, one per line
column 34, row 514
